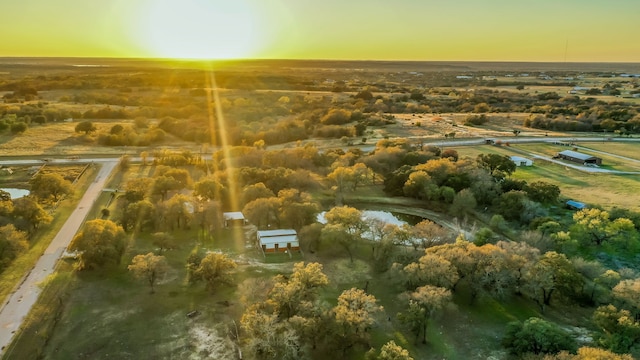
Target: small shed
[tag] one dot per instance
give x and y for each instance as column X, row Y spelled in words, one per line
column 233, row 218
column 520, row 161
column 575, row 205
column 273, row 241
column 580, row 158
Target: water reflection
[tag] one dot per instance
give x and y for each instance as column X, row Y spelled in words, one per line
column 386, row 216
column 16, row 193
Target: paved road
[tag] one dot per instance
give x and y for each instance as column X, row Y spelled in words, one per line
column 20, row 302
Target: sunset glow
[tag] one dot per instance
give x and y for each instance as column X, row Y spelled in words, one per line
column 464, row 30
column 196, row 29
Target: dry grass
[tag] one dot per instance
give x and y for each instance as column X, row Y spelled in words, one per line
column 60, row 139
column 51, row 139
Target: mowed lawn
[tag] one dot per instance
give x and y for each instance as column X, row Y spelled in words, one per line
column 606, row 190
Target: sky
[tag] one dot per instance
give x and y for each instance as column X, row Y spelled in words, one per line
column 431, row 30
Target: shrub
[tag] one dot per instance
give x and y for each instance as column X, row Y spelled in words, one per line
column 476, row 119
column 537, row 336
column 19, row 127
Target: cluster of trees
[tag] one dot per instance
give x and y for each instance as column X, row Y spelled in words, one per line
column 128, row 135
column 499, row 271
column 14, row 124
column 20, row 218
column 288, row 320
column 462, row 185
column 156, row 204
column 25, row 213
column 292, row 208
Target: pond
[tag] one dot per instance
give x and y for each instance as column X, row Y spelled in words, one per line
column 16, row 193
column 386, row 216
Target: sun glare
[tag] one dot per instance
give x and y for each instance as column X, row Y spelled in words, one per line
column 197, row 29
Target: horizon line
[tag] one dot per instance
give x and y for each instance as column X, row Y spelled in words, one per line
column 196, row 60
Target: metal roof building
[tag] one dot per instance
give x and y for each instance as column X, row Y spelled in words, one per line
column 576, row 205
column 520, row 161
column 278, row 240
column 233, row 218
column 580, row 158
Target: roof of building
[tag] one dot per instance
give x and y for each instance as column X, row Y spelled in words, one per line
column 520, row 159
column 233, row 215
column 577, row 155
column 576, row 204
column 283, row 239
column 275, row 233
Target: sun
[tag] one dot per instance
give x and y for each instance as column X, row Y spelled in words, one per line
column 197, row 29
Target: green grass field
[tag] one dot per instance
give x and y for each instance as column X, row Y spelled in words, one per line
column 627, row 149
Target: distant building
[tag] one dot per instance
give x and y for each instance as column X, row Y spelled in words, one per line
column 273, row 241
column 579, row 158
column 234, row 218
column 520, row 161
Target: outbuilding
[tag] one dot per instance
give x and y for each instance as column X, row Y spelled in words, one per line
column 575, row 205
column 233, row 218
column 580, row 158
column 281, row 240
column 520, row 161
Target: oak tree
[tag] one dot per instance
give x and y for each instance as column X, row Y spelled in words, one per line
column 388, row 351
column 424, row 302
column 149, row 268
column 215, row 268
column 100, row 242
column 13, row 242
column 354, row 314
column 49, row 185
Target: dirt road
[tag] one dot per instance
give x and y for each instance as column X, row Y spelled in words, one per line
column 20, row 302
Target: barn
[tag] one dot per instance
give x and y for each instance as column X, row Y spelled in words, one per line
column 580, row 158
column 234, row 218
column 520, row 161
column 273, row 241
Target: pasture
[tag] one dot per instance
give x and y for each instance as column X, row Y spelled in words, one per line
column 601, row 189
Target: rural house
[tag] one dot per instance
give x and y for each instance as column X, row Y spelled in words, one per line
column 579, row 158
column 272, row 241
